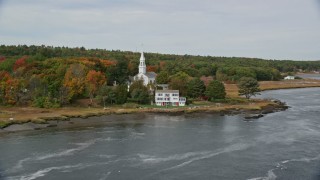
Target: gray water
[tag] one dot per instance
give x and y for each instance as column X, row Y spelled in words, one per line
column 309, row 76
column 282, row 145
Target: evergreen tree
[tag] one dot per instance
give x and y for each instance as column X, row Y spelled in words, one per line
column 140, row 96
column 139, row 93
column 107, row 95
column 121, row 92
column 248, row 87
column 179, row 82
column 162, row 77
column 215, row 90
column 195, row 88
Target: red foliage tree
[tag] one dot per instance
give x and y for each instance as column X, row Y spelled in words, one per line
column 20, row 63
column 2, row 58
column 152, row 68
column 4, row 76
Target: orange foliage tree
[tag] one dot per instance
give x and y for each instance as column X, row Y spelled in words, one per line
column 94, row 80
column 4, row 77
column 74, row 80
column 108, row 63
column 162, row 65
column 13, row 86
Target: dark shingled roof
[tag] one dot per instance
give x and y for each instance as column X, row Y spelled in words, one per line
column 151, row 74
column 167, row 91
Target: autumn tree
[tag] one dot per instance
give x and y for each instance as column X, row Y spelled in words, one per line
column 74, row 80
column 94, row 80
column 20, row 63
column 151, row 68
column 4, row 77
column 13, row 91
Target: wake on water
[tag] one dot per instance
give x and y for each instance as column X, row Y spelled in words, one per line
column 281, row 166
column 67, row 152
column 191, row 157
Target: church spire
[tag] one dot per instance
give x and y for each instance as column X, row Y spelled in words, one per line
column 142, row 65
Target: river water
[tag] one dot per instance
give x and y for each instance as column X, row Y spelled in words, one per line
column 282, row 145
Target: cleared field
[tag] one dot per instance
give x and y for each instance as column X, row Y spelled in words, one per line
column 232, row 89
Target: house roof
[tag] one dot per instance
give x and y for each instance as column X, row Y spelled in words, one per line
column 167, row 91
column 151, row 74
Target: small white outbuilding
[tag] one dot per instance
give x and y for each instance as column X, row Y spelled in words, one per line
column 289, row 78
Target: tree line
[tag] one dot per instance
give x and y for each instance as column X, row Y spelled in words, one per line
column 46, row 76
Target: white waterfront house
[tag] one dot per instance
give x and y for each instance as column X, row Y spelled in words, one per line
column 147, row 77
column 169, row 98
column 289, row 78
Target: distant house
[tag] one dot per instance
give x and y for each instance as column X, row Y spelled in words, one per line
column 289, row 78
column 169, row 98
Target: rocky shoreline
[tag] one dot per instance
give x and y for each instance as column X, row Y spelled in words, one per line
column 109, row 117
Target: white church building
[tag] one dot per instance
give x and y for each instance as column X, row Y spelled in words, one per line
column 147, row 77
column 163, row 97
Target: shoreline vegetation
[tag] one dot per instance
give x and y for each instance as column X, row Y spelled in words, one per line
column 41, row 84
column 14, row 119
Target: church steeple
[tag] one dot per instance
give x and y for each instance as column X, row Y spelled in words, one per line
column 142, row 65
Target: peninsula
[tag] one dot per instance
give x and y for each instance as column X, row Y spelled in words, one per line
column 39, row 84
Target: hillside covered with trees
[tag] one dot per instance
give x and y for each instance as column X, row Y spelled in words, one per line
column 46, row 76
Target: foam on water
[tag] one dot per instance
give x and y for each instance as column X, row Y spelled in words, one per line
column 231, row 148
column 65, row 168
column 270, row 176
column 281, row 166
column 67, row 152
column 43, row 172
column 304, row 159
column 153, row 159
column 197, row 156
column 105, row 156
column 137, row 135
column 105, row 176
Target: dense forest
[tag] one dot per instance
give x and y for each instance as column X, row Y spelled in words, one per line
column 46, row 76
